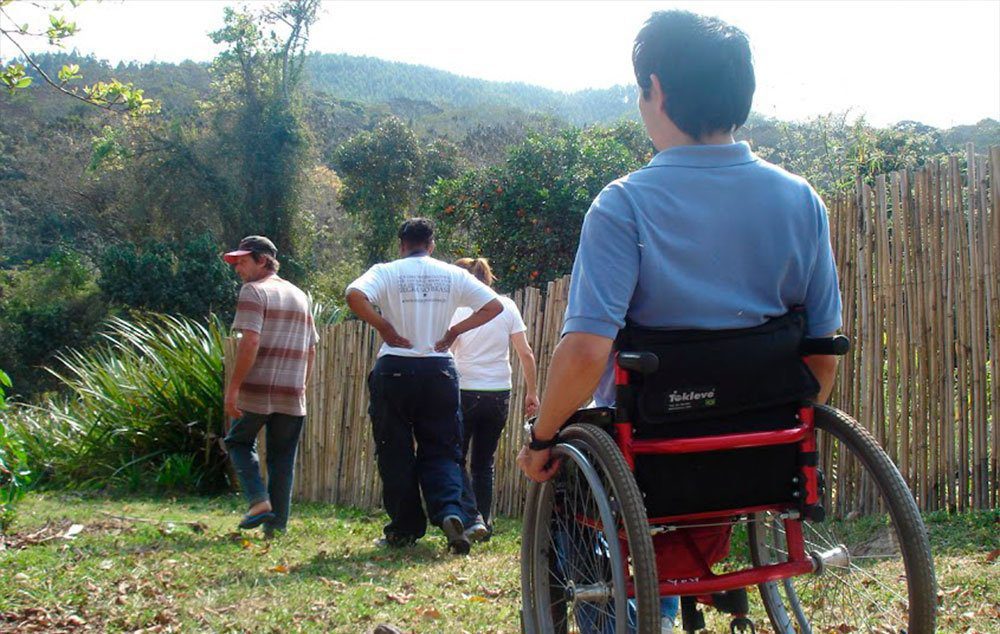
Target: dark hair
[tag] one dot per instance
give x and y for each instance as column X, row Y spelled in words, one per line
column 270, row 262
column 417, row 232
column 704, row 66
column 480, row 267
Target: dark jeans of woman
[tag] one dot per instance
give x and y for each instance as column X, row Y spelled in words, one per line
column 483, row 416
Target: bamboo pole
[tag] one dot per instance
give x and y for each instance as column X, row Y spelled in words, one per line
column 900, row 319
column 963, row 331
column 977, row 325
column 994, row 270
column 920, row 248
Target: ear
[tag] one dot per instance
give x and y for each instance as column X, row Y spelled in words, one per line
column 430, row 247
column 656, row 91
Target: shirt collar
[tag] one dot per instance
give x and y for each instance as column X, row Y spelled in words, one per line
column 704, row 156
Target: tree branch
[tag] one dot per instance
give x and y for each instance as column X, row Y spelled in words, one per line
column 109, row 105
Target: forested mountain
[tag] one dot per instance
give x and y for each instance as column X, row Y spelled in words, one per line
column 371, row 79
column 358, row 91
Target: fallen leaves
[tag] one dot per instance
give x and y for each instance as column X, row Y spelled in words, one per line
column 35, row 619
column 73, row 531
column 428, row 613
column 401, row 598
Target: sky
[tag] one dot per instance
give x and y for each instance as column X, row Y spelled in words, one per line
column 934, row 62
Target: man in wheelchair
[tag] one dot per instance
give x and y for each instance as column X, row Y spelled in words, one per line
column 720, row 264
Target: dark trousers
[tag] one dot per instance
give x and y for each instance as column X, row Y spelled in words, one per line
column 416, row 399
column 483, row 416
column 282, row 437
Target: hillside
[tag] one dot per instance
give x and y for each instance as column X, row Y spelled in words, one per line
column 350, row 92
column 370, row 79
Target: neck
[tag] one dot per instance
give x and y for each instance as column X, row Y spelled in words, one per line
column 670, row 136
column 262, row 276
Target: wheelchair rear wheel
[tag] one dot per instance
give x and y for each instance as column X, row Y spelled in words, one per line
column 876, row 572
column 575, row 569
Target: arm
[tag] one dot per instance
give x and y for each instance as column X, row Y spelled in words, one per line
column 527, row 358
column 824, row 368
column 246, row 354
column 489, row 310
column 310, row 361
column 359, row 303
column 576, row 368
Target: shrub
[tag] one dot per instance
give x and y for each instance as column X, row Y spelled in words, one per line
column 45, row 307
column 152, row 390
column 178, row 473
column 14, row 475
column 187, row 278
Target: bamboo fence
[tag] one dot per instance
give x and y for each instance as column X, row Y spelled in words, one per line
column 918, row 256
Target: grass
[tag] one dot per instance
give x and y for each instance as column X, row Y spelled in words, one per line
column 185, row 569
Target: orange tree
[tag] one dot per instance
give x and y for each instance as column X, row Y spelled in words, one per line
column 525, row 214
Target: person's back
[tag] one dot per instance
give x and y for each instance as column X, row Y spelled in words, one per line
column 705, row 236
column 280, row 312
column 418, row 294
column 483, row 354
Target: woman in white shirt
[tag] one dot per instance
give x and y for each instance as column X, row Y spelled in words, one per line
column 484, row 374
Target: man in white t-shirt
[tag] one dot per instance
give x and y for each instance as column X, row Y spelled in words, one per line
column 413, row 387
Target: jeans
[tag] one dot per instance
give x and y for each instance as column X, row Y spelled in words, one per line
column 484, row 414
column 589, row 618
column 415, row 398
column 282, row 437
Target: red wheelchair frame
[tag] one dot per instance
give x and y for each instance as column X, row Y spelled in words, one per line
column 799, row 562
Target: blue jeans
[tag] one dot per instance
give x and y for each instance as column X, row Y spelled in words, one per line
column 414, row 400
column 484, row 414
column 282, row 437
column 588, row 617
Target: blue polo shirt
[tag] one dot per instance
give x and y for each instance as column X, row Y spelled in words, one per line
column 704, row 236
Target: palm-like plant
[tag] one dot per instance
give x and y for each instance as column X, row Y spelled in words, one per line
column 153, row 389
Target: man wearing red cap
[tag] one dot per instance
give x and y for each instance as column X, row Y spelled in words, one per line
column 274, row 360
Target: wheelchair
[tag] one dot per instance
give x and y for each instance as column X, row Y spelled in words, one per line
column 715, row 472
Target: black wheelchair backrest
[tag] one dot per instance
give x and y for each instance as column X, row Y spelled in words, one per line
column 700, row 374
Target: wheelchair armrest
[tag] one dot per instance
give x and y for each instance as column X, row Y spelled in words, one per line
column 641, row 362
column 837, row 345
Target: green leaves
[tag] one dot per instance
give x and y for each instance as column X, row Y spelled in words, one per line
column 154, row 388
column 4, row 382
column 525, row 215
column 59, row 29
column 69, row 72
column 14, row 78
column 114, row 94
column 379, row 171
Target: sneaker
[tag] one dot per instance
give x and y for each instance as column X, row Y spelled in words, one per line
column 477, row 532
column 458, row 543
column 667, row 626
column 393, row 540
